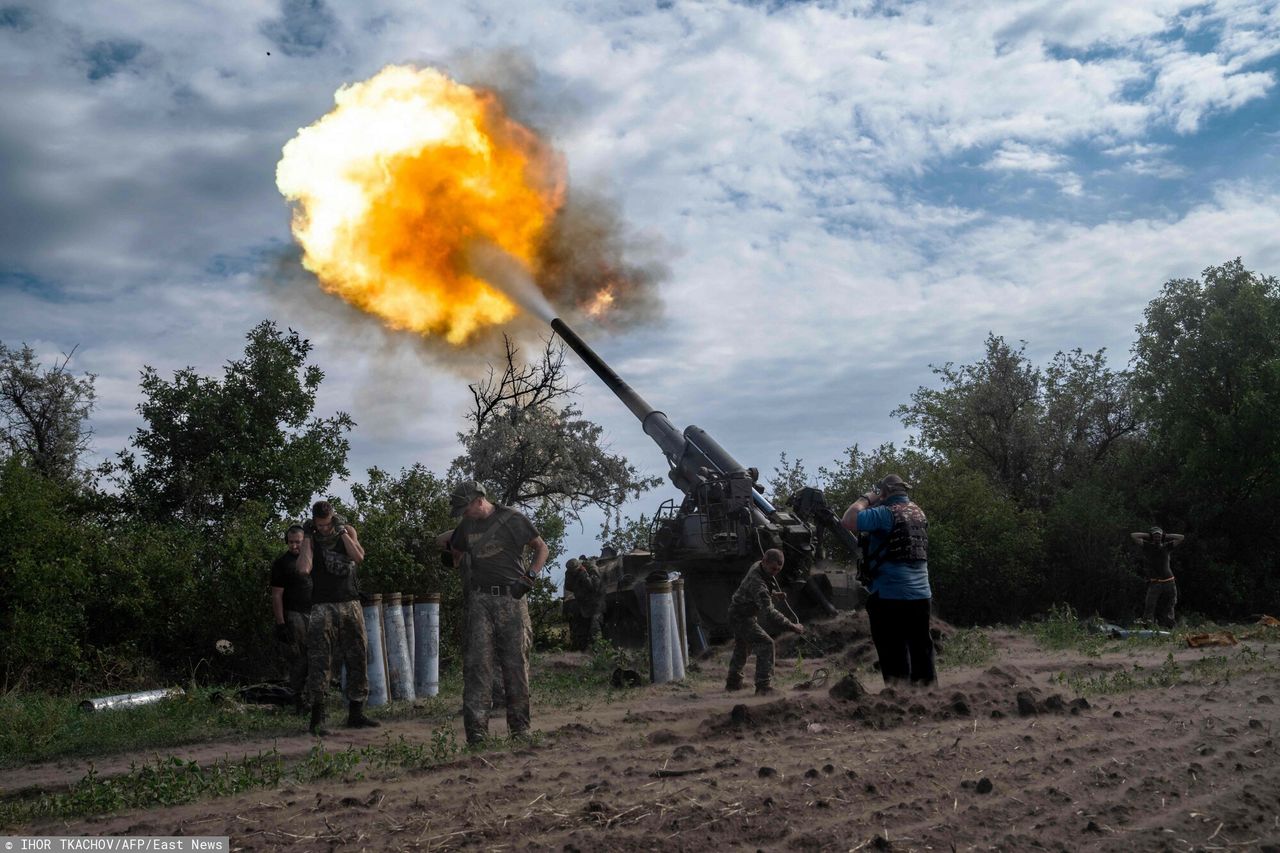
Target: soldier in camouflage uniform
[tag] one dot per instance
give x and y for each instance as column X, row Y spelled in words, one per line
column 291, row 606
column 752, row 602
column 582, row 581
column 336, row 635
column 498, row 627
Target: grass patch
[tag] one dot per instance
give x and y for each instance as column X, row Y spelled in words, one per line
column 173, row 781
column 39, row 727
column 562, row 684
column 1200, row 671
column 967, row 647
column 1062, row 629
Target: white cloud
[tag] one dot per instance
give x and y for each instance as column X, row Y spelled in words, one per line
column 797, row 161
column 1014, row 156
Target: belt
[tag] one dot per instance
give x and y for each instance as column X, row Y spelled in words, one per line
column 1159, row 580
column 496, row 589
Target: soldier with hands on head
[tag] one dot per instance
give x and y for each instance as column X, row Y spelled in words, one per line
column 582, row 580
column 899, row 595
column 330, row 555
column 1162, row 591
column 494, row 539
column 751, row 603
column 291, row 606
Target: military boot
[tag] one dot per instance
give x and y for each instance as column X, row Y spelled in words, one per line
column 734, row 683
column 765, row 690
column 317, row 720
column 356, row 718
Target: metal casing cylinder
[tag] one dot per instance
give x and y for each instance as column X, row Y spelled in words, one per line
column 677, row 600
column 376, row 662
column 406, row 604
column 130, row 700
column 661, row 616
column 396, row 642
column 426, row 635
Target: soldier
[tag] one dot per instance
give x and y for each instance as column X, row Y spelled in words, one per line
column 498, row 627
column 900, row 597
column 291, row 605
column 753, row 601
column 335, row 633
column 582, row 581
column 1162, row 592
column 498, row 692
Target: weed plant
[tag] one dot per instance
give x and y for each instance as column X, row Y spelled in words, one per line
column 965, row 648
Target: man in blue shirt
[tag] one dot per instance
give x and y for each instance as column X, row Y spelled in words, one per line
column 900, row 598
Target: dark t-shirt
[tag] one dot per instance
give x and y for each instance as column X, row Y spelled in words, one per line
column 333, row 573
column 495, row 545
column 297, row 587
column 1157, row 556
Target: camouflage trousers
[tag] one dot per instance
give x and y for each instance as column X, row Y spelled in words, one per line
column 335, row 636
column 1161, row 599
column 293, row 654
column 748, row 639
column 584, row 628
column 497, row 635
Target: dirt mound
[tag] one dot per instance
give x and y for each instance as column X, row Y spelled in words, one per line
column 827, row 637
column 845, row 639
column 772, row 716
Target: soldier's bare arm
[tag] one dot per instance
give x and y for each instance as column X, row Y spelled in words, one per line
column 304, row 556
column 277, row 604
column 540, row 554
column 849, row 521
column 351, row 542
column 1175, row 538
column 1139, row 537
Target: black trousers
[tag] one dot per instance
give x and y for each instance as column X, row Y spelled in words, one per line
column 900, row 630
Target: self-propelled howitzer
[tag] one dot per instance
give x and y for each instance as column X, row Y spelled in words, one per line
column 722, row 525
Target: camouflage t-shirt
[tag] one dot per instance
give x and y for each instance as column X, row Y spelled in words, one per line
column 496, row 545
column 754, row 597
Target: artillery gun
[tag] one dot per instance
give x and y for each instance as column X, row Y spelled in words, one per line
column 719, row 528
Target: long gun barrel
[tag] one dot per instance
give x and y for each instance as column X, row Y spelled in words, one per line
column 688, row 452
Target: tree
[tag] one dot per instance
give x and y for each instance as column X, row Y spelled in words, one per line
column 209, row 446
column 1031, row 431
column 1206, row 370
column 627, row 534
column 535, row 448
column 44, row 411
column 399, row 518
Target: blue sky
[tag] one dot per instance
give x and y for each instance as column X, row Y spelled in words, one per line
column 845, row 193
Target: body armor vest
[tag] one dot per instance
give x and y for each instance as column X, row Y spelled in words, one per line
column 909, row 539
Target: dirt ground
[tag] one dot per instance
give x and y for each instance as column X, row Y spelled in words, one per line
column 997, row 757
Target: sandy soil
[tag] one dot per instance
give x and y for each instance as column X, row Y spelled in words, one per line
column 999, row 757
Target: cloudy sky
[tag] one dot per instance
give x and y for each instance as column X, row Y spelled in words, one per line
column 845, row 193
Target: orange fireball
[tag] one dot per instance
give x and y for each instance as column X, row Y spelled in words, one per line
column 394, row 188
